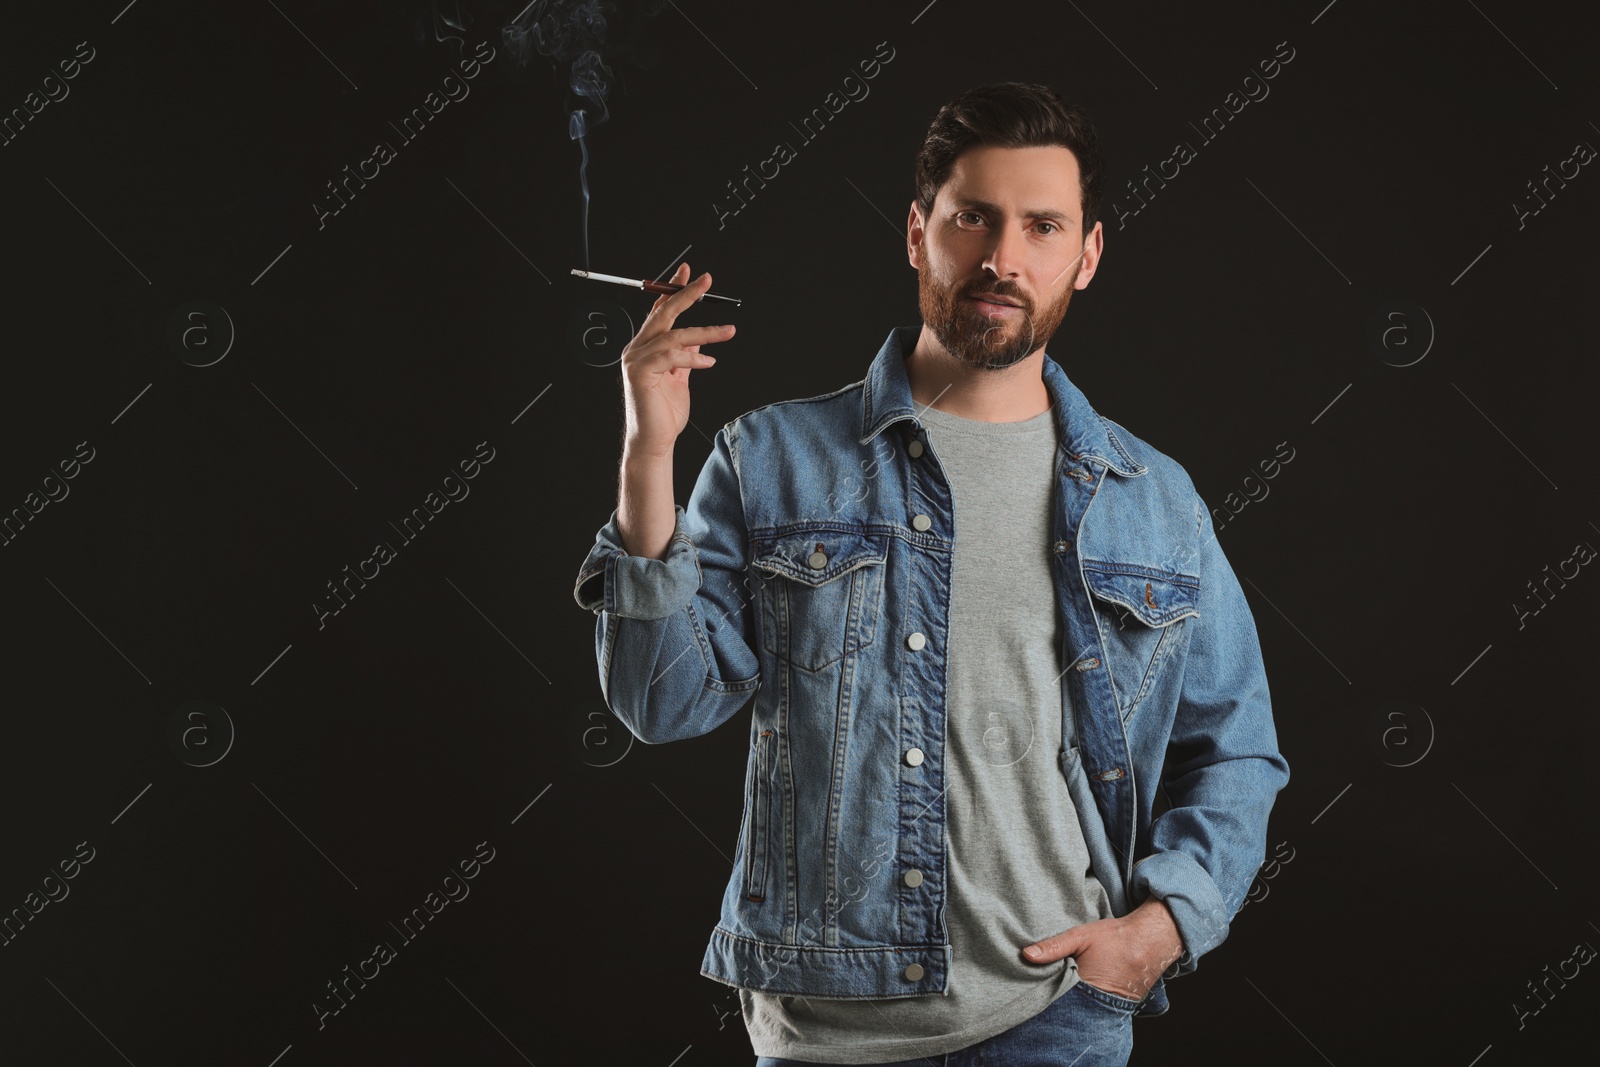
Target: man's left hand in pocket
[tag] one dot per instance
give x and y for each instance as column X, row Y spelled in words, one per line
column 1123, row 955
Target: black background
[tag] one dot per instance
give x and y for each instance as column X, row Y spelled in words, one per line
column 455, row 700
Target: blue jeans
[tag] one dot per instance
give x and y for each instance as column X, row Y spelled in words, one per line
column 1084, row 1027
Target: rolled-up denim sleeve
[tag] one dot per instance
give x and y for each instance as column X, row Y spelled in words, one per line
column 675, row 637
column 1223, row 768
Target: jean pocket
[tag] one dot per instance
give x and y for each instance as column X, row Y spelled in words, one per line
column 1141, row 616
column 1109, row 1000
column 821, row 590
column 757, row 818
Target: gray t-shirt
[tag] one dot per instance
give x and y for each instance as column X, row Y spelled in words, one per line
column 1019, row 869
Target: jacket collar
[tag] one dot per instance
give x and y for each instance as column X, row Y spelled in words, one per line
column 886, row 399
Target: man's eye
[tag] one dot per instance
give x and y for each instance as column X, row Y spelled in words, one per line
column 969, row 214
column 1053, row 226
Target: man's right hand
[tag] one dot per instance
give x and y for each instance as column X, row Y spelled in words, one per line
column 656, row 365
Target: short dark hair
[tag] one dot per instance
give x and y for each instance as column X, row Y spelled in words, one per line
column 1011, row 115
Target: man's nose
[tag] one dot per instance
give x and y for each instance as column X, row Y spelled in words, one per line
column 1005, row 256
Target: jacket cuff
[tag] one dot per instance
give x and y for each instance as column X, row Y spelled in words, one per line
column 1177, row 880
column 638, row 587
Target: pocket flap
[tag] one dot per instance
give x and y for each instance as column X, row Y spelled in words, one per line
column 1157, row 600
column 816, row 555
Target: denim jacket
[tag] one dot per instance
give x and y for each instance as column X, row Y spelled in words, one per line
column 811, row 570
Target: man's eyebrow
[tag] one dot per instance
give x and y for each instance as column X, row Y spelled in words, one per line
column 994, row 209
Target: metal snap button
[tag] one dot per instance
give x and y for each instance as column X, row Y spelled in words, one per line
column 914, row 972
column 818, row 560
column 914, row 757
column 914, row 449
column 913, row 878
column 921, row 522
column 916, row 641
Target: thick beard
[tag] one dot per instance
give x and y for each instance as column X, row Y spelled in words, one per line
column 977, row 339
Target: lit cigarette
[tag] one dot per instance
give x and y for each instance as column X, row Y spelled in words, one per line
column 650, row 287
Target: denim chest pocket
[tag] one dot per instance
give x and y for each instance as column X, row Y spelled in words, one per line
column 821, row 592
column 1141, row 615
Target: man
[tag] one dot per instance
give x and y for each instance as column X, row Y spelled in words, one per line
column 981, row 623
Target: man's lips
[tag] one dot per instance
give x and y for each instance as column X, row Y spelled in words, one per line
column 993, row 305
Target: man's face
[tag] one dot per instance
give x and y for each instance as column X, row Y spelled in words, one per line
column 1007, row 225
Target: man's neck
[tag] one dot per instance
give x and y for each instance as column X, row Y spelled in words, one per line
column 941, row 381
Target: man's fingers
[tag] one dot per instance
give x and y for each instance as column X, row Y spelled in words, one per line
column 660, row 348
column 655, row 355
column 680, row 301
column 702, row 335
column 679, row 276
column 681, row 357
column 686, row 342
column 669, row 306
column 1052, row 948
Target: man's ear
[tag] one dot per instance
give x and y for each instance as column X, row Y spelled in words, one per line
column 1095, row 244
column 914, row 233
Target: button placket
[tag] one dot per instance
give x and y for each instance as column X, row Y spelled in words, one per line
column 912, row 878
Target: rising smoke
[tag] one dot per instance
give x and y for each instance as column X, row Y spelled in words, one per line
column 582, row 40
column 573, row 32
